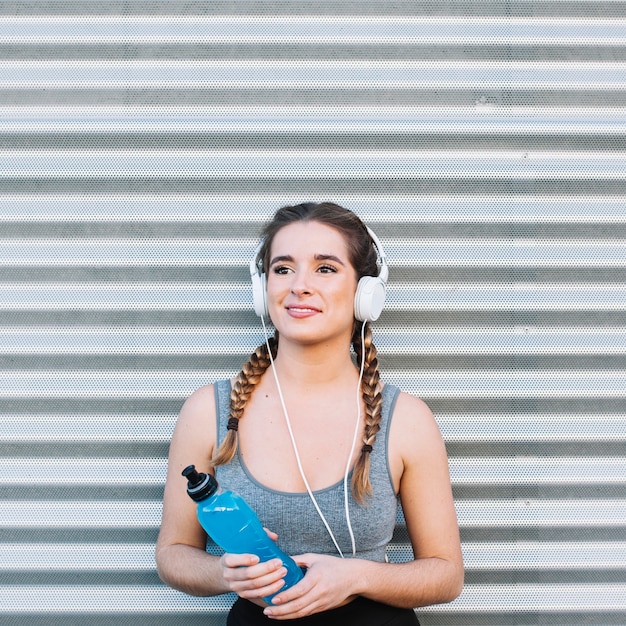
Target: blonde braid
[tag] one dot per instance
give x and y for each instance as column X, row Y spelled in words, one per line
column 245, row 383
column 373, row 399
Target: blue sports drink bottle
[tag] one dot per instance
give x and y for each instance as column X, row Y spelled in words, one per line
column 233, row 525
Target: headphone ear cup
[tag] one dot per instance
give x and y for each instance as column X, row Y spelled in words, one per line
column 259, row 294
column 369, row 298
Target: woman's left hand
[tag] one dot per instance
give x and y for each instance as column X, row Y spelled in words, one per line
column 327, row 584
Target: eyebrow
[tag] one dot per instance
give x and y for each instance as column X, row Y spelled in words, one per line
column 317, row 257
column 329, row 257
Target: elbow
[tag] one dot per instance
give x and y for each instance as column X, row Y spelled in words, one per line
column 162, row 568
column 449, row 584
column 456, row 592
column 455, row 583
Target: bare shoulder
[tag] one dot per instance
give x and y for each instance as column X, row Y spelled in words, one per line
column 195, row 429
column 414, row 416
column 200, row 402
column 414, row 434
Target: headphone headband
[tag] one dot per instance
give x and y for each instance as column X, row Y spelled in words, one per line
column 383, row 273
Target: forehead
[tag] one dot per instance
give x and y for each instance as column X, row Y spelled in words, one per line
column 313, row 237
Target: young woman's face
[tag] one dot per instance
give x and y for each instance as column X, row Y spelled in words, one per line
column 310, row 283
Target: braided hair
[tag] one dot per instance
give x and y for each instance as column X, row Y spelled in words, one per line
column 363, row 258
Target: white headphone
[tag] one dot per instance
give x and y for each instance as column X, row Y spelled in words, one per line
column 369, row 298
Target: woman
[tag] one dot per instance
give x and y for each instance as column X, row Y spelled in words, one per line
column 285, row 440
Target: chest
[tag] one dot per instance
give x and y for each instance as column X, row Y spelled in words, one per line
column 267, row 477
column 316, row 435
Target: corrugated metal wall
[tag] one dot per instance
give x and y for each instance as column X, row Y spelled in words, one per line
column 143, row 143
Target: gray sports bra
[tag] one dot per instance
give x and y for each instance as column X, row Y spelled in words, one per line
column 292, row 515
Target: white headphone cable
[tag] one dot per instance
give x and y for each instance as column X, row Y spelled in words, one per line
column 295, row 447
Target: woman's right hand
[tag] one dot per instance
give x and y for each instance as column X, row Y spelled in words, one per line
column 249, row 579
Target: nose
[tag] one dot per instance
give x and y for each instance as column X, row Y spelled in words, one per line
column 300, row 285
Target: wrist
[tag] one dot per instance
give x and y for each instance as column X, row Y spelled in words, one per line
column 359, row 575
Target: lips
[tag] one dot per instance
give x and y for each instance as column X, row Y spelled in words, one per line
column 302, row 310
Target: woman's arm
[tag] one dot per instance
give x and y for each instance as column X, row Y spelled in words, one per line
column 419, row 466
column 182, row 561
column 418, row 456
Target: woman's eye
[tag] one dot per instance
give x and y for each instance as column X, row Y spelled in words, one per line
column 280, row 269
column 326, row 269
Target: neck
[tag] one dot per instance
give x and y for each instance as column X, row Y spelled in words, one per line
column 313, row 366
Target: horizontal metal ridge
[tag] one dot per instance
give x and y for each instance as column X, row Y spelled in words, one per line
column 518, row 340
column 544, row 555
column 574, row 598
column 88, row 428
column 222, row 340
column 544, row 597
column 514, row 252
column 536, row 470
column 173, row 209
column 94, row 600
column 237, row 252
column 528, row 513
column 520, row 427
column 426, row 383
column 356, row 164
column 532, row 556
column 233, row 252
column 581, row 8
column 452, row 296
column 84, row 471
column 300, row 120
column 310, row 74
column 305, row 29
column 461, row 427
column 463, row 471
column 81, row 514
column 503, row 513
column 478, row 557
column 82, row 556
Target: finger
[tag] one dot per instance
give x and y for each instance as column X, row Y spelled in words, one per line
column 259, row 581
column 261, row 575
column 304, row 560
column 254, row 588
column 294, row 596
column 239, row 560
column 271, row 534
column 273, row 567
column 257, row 578
column 292, row 610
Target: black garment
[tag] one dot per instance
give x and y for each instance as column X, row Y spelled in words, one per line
column 359, row 612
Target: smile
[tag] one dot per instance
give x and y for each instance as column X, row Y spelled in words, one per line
column 298, row 310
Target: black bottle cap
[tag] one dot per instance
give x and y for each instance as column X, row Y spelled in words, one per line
column 199, row 485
